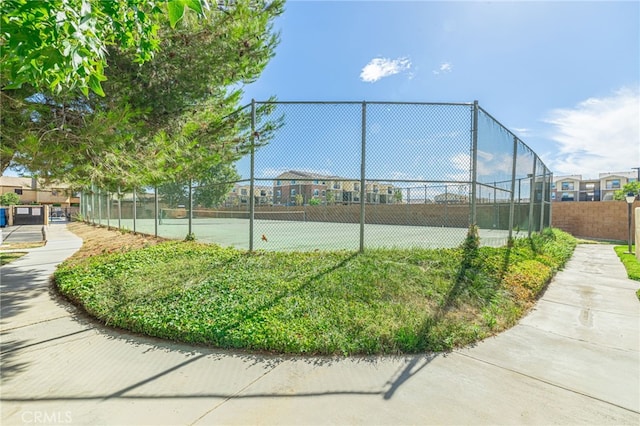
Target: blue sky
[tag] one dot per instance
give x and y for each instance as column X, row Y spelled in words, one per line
column 564, row 76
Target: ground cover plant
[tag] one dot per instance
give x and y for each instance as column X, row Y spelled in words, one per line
column 381, row 301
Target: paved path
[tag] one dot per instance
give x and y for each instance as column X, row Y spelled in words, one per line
column 575, row 359
column 23, row 234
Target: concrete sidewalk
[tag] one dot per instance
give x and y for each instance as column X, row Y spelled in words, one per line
column 23, row 234
column 575, row 359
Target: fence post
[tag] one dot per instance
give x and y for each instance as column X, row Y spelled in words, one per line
column 119, row 209
column 550, row 204
column 542, row 198
column 252, row 200
column 108, row 210
column 99, row 207
column 474, row 163
column 190, row 215
column 93, row 204
column 135, row 209
column 532, row 194
column 362, row 172
column 513, row 187
column 155, row 211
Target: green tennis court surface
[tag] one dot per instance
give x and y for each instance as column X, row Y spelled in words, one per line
column 304, row 236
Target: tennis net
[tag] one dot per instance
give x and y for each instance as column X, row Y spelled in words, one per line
column 203, row 215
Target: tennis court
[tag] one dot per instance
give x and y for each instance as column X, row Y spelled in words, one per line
column 279, row 235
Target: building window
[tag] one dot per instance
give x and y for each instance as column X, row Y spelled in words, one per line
column 54, row 192
column 278, row 182
column 278, row 193
column 356, row 187
column 324, row 193
column 567, row 196
column 243, row 191
column 293, row 182
column 613, row 184
column 315, row 182
column 18, row 191
column 567, row 186
column 316, row 192
column 553, row 195
column 263, row 193
column 590, row 186
column 293, row 192
column 336, row 185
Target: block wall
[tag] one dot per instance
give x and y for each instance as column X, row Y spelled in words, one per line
column 607, row 220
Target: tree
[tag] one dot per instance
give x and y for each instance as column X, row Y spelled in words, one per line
column 174, row 194
column 61, row 45
column 9, row 199
column 299, row 199
column 397, row 196
column 633, row 187
column 171, row 118
column 212, row 189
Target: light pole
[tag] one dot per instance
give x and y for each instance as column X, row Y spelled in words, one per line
column 630, row 197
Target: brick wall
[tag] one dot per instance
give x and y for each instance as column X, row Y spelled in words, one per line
column 607, row 220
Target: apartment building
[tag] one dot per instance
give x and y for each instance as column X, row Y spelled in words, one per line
column 32, row 191
column 575, row 188
column 239, row 195
column 295, row 187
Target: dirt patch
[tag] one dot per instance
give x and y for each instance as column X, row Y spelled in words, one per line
column 100, row 240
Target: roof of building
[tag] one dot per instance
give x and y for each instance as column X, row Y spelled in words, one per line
column 16, row 181
column 306, row 175
column 27, row 183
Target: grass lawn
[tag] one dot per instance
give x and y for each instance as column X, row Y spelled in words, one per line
column 382, row 301
column 630, row 262
column 10, row 257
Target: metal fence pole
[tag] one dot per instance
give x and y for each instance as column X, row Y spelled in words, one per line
column 474, row 163
column 542, row 198
column 190, row 215
column 135, row 209
column 155, row 211
column 550, row 203
column 99, row 207
column 108, row 210
column 93, row 204
column 362, row 173
column 252, row 200
column 532, row 196
column 513, row 186
column 119, row 209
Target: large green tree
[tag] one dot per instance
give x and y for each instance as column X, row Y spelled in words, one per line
column 61, row 45
column 173, row 117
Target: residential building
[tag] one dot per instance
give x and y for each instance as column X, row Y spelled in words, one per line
column 295, row 187
column 33, row 191
column 239, row 195
column 575, row 188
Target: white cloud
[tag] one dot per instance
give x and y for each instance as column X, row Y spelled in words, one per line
column 445, row 67
column 597, row 135
column 523, row 132
column 379, row 68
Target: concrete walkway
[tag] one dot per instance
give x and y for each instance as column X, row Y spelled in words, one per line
column 575, row 359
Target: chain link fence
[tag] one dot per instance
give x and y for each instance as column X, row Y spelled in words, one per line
column 352, row 175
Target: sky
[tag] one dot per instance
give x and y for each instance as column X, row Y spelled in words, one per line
column 563, row 76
